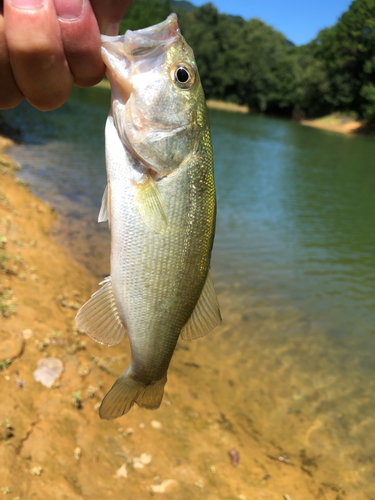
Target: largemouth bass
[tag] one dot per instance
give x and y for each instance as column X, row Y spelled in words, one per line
column 160, row 203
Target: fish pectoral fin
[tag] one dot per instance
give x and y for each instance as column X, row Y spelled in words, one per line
column 151, row 205
column 99, row 317
column 206, row 315
column 104, row 213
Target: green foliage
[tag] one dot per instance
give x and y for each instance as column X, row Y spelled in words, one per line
column 144, row 13
column 4, row 364
column 249, row 62
column 341, row 74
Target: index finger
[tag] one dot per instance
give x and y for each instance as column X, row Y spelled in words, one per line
column 36, row 52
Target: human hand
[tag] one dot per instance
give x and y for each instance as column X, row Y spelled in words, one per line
column 47, row 45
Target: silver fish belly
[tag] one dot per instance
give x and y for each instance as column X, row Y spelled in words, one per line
column 161, row 206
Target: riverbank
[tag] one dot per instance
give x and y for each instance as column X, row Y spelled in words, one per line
column 52, row 442
column 336, row 122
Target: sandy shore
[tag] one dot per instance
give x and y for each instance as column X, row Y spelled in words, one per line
column 335, row 123
column 53, row 444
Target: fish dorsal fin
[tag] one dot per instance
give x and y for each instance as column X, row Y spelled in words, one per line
column 104, row 213
column 99, row 317
column 206, row 314
column 151, row 205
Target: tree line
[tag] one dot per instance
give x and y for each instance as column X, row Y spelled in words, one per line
column 251, row 63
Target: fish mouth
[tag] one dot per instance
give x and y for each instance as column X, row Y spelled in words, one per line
column 142, row 47
column 140, row 43
column 118, row 52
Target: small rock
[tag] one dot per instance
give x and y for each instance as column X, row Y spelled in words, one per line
column 77, row 453
column 144, row 459
column 36, row 471
column 49, row 369
column 129, row 431
column 122, row 472
column 11, row 347
column 199, row 484
column 26, row 334
column 234, row 456
column 20, row 383
column 164, row 486
column 141, row 426
column 155, row 424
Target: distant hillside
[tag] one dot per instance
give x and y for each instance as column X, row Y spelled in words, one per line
column 183, row 4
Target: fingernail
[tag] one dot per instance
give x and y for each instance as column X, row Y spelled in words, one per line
column 27, row 4
column 69, row 10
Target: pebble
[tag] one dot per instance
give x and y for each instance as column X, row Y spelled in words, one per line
column 11, row 347
column 36, row 471
column 164, row 486
column 122, row 472
column 49, row 369
column 155, row 424
column 26, row 334
column 140, row 462
column 234, row 456
column 142, row 426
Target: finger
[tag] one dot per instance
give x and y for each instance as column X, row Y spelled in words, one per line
column 36, row 52
column 109, row 14
column 10, row 94
column 81, row 40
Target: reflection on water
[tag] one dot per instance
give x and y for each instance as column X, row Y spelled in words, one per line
column 293, row 265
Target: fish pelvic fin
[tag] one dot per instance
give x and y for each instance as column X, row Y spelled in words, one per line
column 206, row 315
column 99, row 317
column 126, row 391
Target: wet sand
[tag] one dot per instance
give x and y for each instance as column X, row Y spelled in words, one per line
column 335, row 123
column 52, row 441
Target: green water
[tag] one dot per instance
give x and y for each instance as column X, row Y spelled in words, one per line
column 293, row 265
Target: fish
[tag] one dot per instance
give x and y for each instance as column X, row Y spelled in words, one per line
column 160, row 204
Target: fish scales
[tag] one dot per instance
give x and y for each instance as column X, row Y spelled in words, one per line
column 161, row 205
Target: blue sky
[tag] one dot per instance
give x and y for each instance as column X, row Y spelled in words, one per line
column 298, row 20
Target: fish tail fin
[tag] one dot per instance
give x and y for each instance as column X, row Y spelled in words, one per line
column 126, row 391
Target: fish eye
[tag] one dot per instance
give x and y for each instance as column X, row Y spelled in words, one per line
column 183, row 75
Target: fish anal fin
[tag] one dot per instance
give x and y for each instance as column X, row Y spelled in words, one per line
column 206, row 315
column 151, row 205
column 99, row 317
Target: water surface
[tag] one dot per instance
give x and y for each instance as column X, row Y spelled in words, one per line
column 293, row 265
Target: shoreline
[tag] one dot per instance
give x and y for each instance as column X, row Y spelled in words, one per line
column 56, row 432
column 335, row 122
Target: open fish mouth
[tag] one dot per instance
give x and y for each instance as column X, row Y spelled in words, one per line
column 142, row 48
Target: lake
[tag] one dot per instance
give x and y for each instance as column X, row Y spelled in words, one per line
column 293, row 265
